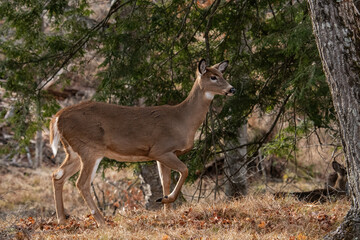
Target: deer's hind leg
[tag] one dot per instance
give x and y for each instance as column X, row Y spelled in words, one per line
column 69, row 167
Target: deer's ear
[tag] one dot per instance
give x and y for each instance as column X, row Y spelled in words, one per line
column 338, row 168
column 202, row 66
column 221, row 66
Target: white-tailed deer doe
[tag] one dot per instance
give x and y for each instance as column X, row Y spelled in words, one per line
column 335, row 186
column 92, row 130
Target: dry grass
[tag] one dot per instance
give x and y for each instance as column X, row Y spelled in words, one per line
column 27, row 211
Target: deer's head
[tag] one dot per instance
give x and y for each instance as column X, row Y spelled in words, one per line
column 211, row 79
column 341, row 176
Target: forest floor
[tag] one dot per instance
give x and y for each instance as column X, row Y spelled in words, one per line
column 27, row 211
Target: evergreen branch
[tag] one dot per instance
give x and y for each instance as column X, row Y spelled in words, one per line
column 183, row 23
column 272, row 10
column 46, row 57
column 192, row 36
column 82, row 41
column 207, row 30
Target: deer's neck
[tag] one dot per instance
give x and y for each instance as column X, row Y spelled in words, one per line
column 195, row 106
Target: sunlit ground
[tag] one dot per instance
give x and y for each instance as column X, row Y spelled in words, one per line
column 27, row 212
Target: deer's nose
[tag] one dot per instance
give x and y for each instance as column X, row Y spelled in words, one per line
column 232, row 90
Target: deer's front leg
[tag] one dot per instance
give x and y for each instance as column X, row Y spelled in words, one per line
column 165, row 178
column 171, row 161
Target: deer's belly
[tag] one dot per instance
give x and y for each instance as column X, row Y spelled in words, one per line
column 126, row 158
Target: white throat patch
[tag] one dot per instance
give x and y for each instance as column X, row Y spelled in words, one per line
column 209, row 95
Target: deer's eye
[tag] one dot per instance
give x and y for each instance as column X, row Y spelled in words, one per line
column 214, row 78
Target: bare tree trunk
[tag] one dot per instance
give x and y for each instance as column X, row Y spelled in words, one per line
column 152, row 188
column 336, row 26
column 235, row 166
column 38, row 140
column 38, row 149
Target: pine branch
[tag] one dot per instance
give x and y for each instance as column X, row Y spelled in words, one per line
column 82, row 41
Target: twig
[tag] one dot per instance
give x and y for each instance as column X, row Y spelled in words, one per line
column 96, row 197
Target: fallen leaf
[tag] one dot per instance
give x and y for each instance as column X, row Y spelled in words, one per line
column 262, row 224
column 165, row 237
column 301, row 236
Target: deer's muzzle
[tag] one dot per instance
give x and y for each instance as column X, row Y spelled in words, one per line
column 231, row 91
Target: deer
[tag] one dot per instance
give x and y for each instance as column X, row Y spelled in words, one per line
column 90, row 131
column 335, row 186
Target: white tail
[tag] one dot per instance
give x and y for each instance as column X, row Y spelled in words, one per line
column 54, row 136
column 90, row 131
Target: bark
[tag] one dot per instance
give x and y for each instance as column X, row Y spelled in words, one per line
column 151, row 186
column 38, row 149
column 235, row 166
column 336, row 26
column 39, row 139
column 152, row 189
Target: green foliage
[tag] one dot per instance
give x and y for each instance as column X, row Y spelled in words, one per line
column 30, row 55
column 284, row 144
column 109, row 163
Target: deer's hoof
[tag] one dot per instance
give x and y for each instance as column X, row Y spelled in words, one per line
column 101, row 223
column 160, row 200
column 61, row 221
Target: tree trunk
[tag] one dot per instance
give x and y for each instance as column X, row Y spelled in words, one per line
column 235, row 166
column 38, row 149
column 152, row 188
column 38, row 140
column 336, row 25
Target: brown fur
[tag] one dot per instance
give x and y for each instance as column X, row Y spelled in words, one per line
column 90, row 131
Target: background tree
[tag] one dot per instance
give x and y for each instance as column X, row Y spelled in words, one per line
column 337, row 29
